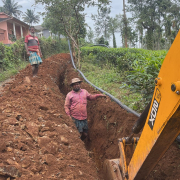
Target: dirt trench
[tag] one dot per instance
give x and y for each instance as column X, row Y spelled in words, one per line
column 39, row 141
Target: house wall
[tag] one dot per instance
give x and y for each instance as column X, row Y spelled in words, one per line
column 25, row 31
column 18, row 30
column 3, row 15
column 6, row 27
column 3, row 26
column 2, row 36
column 46, row 33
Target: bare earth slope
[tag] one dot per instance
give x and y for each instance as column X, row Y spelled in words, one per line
column 39, row 141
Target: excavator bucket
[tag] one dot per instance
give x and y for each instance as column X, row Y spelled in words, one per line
column 112, row 170
column 116, row 169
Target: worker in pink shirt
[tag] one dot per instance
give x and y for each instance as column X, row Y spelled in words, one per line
column 76, row 106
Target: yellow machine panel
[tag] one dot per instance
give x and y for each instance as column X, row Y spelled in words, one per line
column 158, row 133
column 160, row 122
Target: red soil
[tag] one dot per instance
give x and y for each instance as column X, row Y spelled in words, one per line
column 41, row 142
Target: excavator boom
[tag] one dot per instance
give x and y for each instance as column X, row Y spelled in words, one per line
column 161, row 127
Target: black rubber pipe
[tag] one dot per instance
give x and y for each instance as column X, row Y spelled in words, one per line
column 112, row 97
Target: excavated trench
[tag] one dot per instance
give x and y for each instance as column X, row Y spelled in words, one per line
column 107, row 122
column 39, row 141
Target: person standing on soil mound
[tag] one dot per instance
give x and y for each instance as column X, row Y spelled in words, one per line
column 33, row 50
column 76, row 106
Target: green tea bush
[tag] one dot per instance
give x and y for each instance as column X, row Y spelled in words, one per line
column 138, row 67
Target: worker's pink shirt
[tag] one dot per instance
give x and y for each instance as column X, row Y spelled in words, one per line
column 76, row 102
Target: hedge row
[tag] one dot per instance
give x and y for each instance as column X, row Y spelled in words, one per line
column 138, row 67
column 15, row 53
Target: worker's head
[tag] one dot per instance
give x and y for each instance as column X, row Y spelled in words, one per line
column 32, row 29
column 75, row 83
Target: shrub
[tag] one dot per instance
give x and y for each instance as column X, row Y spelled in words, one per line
column 15, row 53
column 138, row 67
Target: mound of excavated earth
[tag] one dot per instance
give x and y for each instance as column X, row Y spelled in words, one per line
column 39, row 141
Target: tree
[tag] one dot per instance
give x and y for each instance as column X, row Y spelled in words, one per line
column 128, row 34
column 30, row 17
column 150, row 14
column 102, row 22
column 113, row 27
column 125, row 25
column 69, row 16
column 90, row 35
column 11, row 8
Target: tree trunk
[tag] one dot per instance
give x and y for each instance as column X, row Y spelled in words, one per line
column 150, row 38
column 125, row 26
column 79, row 59
column 73, row 52
column 114, row 41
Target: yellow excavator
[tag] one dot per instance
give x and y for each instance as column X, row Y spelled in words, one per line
column 160, row 122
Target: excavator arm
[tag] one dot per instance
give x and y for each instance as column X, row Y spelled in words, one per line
column 160, row 122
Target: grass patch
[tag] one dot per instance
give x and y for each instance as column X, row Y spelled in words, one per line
column 107, row 78
column 12, row 71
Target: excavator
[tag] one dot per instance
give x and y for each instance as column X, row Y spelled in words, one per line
column 159, row 122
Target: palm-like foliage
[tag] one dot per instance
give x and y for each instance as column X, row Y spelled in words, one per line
column 11, row 8
column 30, row 17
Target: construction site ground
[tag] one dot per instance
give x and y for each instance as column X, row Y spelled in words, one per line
column 39, row 141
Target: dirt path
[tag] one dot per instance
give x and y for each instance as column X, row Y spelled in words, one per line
column 39, row 141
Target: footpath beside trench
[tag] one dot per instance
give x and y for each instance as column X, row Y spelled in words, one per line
column 39, row 141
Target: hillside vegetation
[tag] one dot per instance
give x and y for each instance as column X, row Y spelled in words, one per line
column 126, row 73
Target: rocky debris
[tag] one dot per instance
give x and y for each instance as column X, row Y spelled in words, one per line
column 9, row 171
column 35, row 131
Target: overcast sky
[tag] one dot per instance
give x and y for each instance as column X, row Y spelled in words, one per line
column 116, row 8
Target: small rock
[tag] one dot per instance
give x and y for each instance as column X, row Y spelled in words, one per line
column 45, row 129
column 65, row 126
column 19, row 117
column 50, row 125
column 64, row 140
column 27, row 80
column 60, row 156
column 46, row 88
column 7, row 111
column 2, row 146
column 23, row 126
column 58, row 115
column 9, row 149
column 80, row 173
column 36, row 167
column 43, row 141
column 11, row 121
column 50, row 159
column 4, row 133
column 40, row 118
column 9, row 171
column 26, row 162
column 10, row 162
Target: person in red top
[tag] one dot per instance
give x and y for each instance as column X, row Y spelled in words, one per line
column 33, row 50
column 76, row 106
